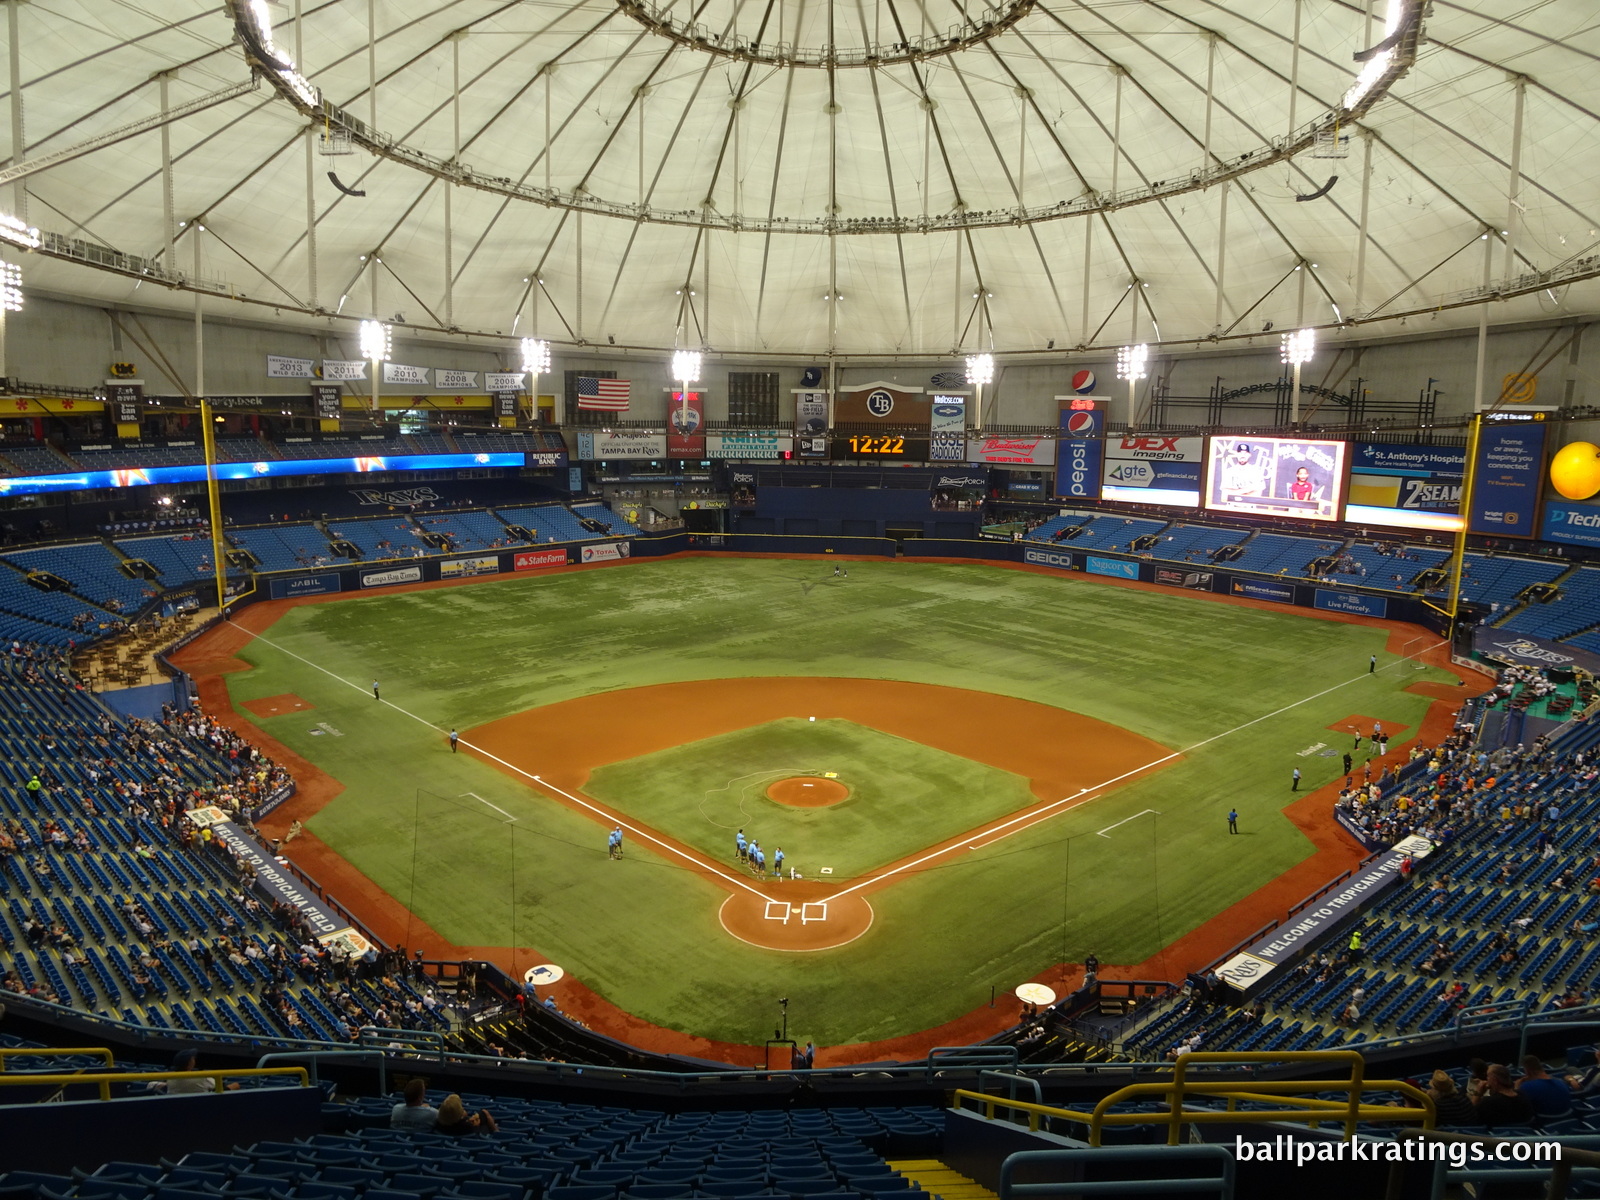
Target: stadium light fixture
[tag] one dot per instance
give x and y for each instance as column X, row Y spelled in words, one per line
column 255, row 18
column 377, row 343
column 18, row 234
column 685, row 369
column 980, row 370
column 535, row 362
column 1298, row 347
column 1133, row 364
column 1373, row 70
column 10, row 302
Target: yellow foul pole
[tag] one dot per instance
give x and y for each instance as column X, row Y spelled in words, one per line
column 219, row 561
column 1469, row 482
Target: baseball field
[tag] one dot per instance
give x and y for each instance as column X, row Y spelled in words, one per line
column 976, row 774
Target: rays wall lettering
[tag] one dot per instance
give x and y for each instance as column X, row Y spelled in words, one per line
column 1526, row 649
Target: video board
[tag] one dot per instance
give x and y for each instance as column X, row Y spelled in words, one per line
column 1275, row 477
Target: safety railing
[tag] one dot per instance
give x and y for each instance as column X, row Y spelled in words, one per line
column 1012, row 1081
column 1220, row 1184
column 8, row 1053
column 968, row 1058
column 316, row 1057
column 1298, row 1109
column 103, row 1083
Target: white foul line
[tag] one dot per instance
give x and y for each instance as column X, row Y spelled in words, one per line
column 1107, row 830
column 637, row 832
column 1033, row 816
column 496, row 807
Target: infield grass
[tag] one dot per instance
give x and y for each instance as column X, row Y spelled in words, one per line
column 1243, row 690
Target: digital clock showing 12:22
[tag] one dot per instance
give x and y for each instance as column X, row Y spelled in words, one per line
column 885, row 444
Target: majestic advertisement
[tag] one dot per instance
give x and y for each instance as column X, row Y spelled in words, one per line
column 602, row 445
column 145, row 476
column 1352, row 602
column 1116, row 568
column 528, row 560
column 748, row 446
column 455, row 568
column 606, row 552
column 1510, row 478
column 1276, row 592
column 1575, row 524
column 686, row 422
column 1081, row 451
column 305, row 585
column 1198, row 581
column 1153, row 469
column 1406, row 487
column 1021, row 451
column 1276, row 477
column 948, row 417
column 390, row 578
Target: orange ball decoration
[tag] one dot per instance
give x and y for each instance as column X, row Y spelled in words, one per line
column 1575, row 470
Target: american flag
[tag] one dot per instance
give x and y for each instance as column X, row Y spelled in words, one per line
column 608, row 395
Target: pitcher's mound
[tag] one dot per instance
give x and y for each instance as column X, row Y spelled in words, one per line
column 808, row 791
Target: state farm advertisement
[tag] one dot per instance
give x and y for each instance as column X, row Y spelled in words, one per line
column 527, row 560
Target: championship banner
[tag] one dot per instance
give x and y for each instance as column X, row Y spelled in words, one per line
column 505, row 403
column 279, row 367
column 458, row 567
column 811, row 412
column 606, row 552
column 337, row 370
column 882, row 404
column 400, row 373
column 454, row 381
column 529, row 560
column 1021, row 451
column 947, row 429
column 505, row 381
column 1510, row 478
column 326, row 399
column 685, row 420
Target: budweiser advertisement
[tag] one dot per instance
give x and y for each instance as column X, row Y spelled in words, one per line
column 1025, row 451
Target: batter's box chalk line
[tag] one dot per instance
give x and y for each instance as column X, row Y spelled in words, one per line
column 778, row 910
column 813, row 910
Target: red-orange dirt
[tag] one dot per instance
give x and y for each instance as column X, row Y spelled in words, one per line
column 799, row 791
column 273, row 706
column 212, row 657
column 798, row 915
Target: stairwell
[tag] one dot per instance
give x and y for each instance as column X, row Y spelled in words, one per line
column 937, row 1179
column 1524, row 600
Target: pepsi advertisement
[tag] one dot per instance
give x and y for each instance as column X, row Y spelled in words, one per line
column 1510, row 478
column 145, row 476
column 1079, row 454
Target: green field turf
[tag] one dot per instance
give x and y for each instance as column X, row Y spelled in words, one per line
column 903, row 796
column 1228, row 684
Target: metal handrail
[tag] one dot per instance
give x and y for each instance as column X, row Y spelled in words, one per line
column 104, row 1082
column 317, row 1056
column 1222, row 1183
column 1012, row 1080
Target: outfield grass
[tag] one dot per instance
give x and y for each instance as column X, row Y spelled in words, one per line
column 903, row 796
column 1181, row 671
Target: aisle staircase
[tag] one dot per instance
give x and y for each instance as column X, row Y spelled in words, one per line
column 936, row 1179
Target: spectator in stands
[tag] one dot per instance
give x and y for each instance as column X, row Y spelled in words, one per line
column 455, row 1119
column 415, row 1112
column 1495, row 1100
column 1550, row 1097
column 1453, row 1108
column 188, row 1060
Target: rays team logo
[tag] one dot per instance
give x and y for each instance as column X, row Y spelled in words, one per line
column 880, row 403
column 685, row 420
column 1083, row 382
column 1081, row 423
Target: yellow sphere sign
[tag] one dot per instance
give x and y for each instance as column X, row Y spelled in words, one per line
column 1575, row 470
